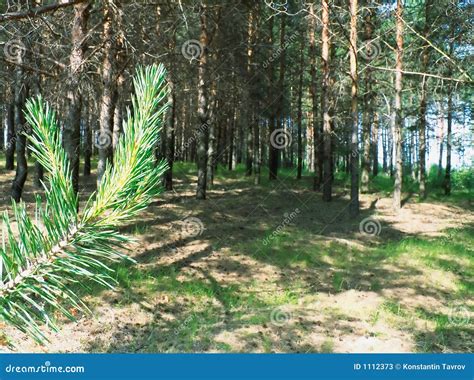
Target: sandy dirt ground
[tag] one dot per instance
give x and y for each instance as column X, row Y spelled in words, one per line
column 245, row 301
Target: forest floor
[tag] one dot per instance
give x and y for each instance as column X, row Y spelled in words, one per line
column 272, row 268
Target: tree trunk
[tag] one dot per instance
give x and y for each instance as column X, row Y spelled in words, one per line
column 87, row 142
column 441, row 139
column 447, row 175
column 354, row 205
column 212, row 145
column 257, row 150
column 316, row 137
column 368, row 110
column 170, row 142
column 325, row 91
column 375, row 145
column 231, row 128
column 449, row 137
column 274, row 140
column 10, row 147
column 300, row 109
column 72, row 127
column 203, row 129
column 107, row 105
column 422, row 124
column 20, row 140
column 250, row 107
column 384, row 150
column 397, row 190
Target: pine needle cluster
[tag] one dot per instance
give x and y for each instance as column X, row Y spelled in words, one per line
column 43, row 256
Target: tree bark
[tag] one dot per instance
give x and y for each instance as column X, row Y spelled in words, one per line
column 10, row 146
column 367, row 115
column 325, row 91
column 87, row 142
column 375, row 145
column 449, row 136
column 274, row 147
column 354, row 205
column 20, row 136
column 397, row 190
column 72, row 131
column 251, row 83
column 172, row 122
column 317, row 141
column 203, row 128
column 384, row 150
column 423, row 121
column 108, row 100
column 300, row 109
column 441, row 138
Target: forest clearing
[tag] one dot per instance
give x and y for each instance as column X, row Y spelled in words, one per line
column 184, row 176
column 210, row 284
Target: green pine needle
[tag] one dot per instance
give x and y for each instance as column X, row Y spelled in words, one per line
column 60, row 247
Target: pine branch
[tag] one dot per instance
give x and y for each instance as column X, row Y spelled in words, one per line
column 60, row 247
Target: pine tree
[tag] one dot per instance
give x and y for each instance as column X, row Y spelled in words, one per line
column 60, row 247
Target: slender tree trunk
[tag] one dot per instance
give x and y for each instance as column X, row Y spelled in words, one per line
column 10, row 147
column 441, row 138
column 354, row 205
column 231, row 127
column 257, row 150
column 170, row 130
column 108, row 100
column 87, row 142
column 203, row 129
column 20, row 140
column 72, row 127
column 449, row 137
column 212, row 148
column 317, row 144
column 368, row 110
column 170, row 143
column 397, row 191
column 37, row 50
column 325, row 91
column 250, row 108
column 375, row 145
column 300, row 109
column 422, row 130
column 384, row 150
column 274, row 143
